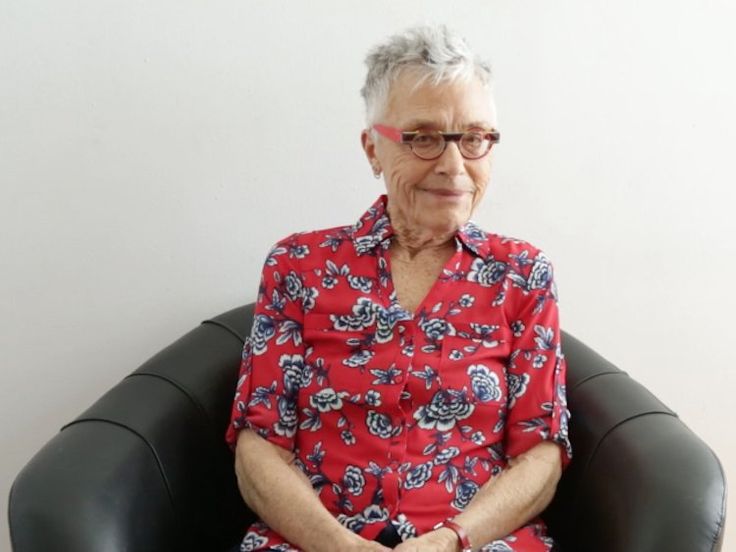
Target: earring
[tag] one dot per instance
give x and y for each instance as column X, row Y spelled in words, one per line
column 376, row 172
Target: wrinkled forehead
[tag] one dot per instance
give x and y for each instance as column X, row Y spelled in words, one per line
column 414, row 101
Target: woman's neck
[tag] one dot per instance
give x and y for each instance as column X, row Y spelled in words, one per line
column 410, row 240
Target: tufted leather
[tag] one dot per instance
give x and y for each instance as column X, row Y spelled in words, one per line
column 146, row 469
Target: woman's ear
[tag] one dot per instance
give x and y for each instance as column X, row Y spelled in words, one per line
column 369, row 147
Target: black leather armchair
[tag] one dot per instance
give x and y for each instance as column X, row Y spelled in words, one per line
column 146, row 468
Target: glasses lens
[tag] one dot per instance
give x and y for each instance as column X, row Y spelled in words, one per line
column 428, row 145
column 474, row 144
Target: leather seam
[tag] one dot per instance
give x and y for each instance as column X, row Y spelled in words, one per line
column 721, row 523
column 225, row 327
column 156, row 457
column 592, row 456
column 615, row 372
column 10, row 525
column 178, row 386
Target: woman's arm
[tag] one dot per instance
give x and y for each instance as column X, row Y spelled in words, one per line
column 284, row 499
column 503, row 504
column 517, row 495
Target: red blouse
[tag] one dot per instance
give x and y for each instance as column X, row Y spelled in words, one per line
column 400, row 418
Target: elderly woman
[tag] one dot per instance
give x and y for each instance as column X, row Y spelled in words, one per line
column 403, row 386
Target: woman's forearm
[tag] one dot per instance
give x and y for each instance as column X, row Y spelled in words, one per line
column 283, row 497
column 510, row 500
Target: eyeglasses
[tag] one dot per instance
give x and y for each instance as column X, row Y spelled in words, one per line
column 430, row 144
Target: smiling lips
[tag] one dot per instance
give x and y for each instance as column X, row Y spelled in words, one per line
column 448, row 193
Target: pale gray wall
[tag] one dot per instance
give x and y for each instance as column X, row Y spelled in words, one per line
column 145, row 172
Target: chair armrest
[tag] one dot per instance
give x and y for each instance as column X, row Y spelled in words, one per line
column 146, row 467
column 640, row 480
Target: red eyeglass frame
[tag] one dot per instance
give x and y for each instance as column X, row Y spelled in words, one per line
column 407, row 136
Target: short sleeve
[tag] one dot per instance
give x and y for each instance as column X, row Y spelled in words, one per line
column 537, row 369
column 272, row 363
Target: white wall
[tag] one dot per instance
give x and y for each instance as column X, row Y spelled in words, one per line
column 143, row 177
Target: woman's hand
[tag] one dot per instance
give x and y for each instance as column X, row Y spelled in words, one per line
column 439, row 540
column 359, row 544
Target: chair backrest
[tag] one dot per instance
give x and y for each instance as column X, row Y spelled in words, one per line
column 640, row 480
column 146, row 467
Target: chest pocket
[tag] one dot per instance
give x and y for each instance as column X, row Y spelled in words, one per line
column 340, row 358
column 474, row 357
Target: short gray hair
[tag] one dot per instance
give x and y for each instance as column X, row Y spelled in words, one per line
column 436, row 53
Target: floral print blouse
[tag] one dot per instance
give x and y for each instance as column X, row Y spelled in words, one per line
column 400, row 417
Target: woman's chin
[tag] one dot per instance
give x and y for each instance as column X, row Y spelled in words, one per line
column 443, row 222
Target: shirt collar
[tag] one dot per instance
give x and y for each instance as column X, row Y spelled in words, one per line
column 374, row 229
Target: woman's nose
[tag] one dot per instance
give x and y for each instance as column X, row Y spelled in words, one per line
column 451, row 162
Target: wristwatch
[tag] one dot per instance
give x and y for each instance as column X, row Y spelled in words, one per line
column 459, row 531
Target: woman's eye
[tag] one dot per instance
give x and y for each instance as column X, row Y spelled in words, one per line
column 425, row 139
column 473, row 139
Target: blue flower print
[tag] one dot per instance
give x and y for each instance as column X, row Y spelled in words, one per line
column 385, row 377
column 358, row 358
column 404, row 527
column 329, row 281
column 418, row 476
column 289, row 330
column 517, row 327
column 375, row 514
column 294, row 373
column 271, row 260
column 538, row 361
column 435, row 328
column 497, row 546
column 372, row 514
column 429, row 375
column 333, row 274
column 516, row 386
column 354, row 480
column 541, row 274
column 252, row 541
column 286, row 425
column 263, row 330
column 293, row 285
column 446, row 455
column 486, row 272
column 360, row 283
column 464, row 493
column 473, row 232
column 354, row 523
column 366, row 244
column 309, row 296
column 485, row 383
column 466, row 300
column 386, row 320
column 347, row 437
column 373, row 398
column 379, row 425
column 364, row 315
column 484, row 333
column 444, row 410
column 545, row 337
column 325, row 400
column 333, row 241
column 298, row 251
column 262, row 395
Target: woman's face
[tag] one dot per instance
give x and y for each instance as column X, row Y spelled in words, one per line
column 432, row 197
